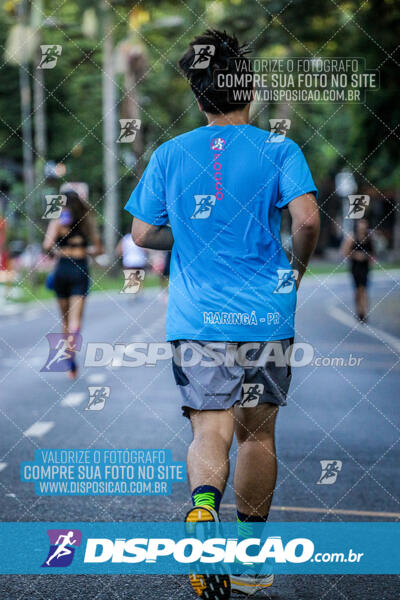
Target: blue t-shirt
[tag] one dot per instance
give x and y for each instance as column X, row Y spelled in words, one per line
column 222, row 190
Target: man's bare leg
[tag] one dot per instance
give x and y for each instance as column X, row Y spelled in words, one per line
column 208, row 470
column 256, row 469
column 208, row 454
column 254, row 481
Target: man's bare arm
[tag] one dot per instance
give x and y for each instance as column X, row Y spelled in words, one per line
column 305, row 231
column 152, row 236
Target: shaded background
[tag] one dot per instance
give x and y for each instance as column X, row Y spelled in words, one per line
column 126, row 53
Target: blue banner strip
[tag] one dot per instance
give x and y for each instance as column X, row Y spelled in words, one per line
column 169, row 548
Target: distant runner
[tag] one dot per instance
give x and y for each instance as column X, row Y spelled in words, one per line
column 360, row 251
column 73, row 237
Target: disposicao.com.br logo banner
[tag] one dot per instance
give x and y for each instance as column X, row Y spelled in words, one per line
column 167, row 548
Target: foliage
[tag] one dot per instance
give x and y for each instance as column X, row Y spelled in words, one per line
column 360, row 136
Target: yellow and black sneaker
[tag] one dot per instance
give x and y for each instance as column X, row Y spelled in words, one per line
column 214, row 586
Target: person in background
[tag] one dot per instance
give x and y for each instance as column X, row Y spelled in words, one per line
column 360, row 252
column 72, row 238
column 133, row 257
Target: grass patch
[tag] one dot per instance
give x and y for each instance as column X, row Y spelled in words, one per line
column 101, row 281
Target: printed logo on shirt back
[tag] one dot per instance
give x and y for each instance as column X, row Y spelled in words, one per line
column 204, row 205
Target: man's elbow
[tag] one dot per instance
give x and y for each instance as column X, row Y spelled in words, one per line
column 139, row 240
column 139, row 234
column 313, row 224
column 309, row 224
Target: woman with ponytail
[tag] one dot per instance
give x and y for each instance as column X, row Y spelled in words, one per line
column 72, row 238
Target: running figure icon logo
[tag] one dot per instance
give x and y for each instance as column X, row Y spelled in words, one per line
column 202, row 55
column 133, row 280
column 217, row 144
column 61, row 352
column 279, row 129
column 129, row 129
column 54, row 206
column 357, row 207
column 97, row 397
column 252, row 393
column 50, row 54
column 63, row 543
column 204, row 204
column 286, row 281
column 330, row 470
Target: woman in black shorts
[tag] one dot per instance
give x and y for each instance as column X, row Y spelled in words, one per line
column 72, row 238
column 359, row 249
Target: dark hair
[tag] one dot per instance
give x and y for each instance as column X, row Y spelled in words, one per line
column 80, row 212
column 230, row 57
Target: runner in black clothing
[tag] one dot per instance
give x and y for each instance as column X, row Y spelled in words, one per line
column 72, row 238
column 360, row 250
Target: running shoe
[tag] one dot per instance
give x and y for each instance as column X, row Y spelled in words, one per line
column 250, row 584
column 207, row 586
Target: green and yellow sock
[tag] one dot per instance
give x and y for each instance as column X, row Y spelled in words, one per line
column 207, row 494
column 245, row 525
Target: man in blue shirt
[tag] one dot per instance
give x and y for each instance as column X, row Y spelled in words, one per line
column 215, row 197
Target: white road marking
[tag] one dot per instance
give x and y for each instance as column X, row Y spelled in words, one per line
column 10, row 309
column 30, row 315
column 39, row 429
column 73, row 399
column 21, row 361
column 96, row 378
column 343, row 317
column 3, row 466
column 36, row 361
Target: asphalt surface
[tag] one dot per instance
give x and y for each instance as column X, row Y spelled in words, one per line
column 334, row 412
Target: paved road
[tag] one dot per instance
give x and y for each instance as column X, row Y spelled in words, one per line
column 334, row 412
